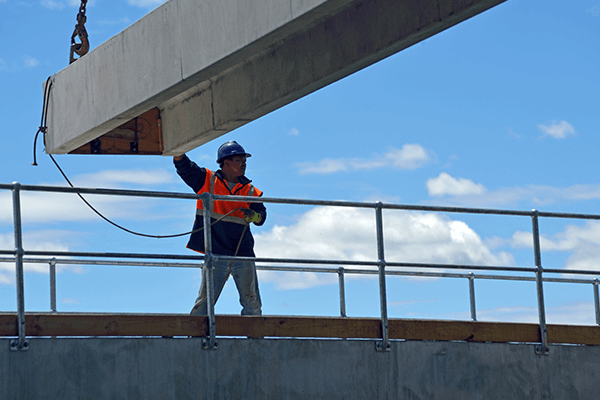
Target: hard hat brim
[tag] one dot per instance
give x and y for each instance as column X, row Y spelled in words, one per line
column 233, row 155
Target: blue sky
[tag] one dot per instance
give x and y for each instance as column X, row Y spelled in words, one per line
column 500, row 111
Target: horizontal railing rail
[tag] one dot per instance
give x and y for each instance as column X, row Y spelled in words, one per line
column 290, row 268
column 278, row 200
column 375, row 267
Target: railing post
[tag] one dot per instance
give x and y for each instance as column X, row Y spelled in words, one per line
column 208, row 272
column 542, row 349
column 342, row 292
column 384, row 345
column 472, row 296
column 20, row 343
column 53, row 285
column 596, row 301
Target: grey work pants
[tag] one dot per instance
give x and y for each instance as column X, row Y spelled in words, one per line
column 246, row 281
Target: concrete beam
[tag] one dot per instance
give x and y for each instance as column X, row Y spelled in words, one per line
column 213, row 66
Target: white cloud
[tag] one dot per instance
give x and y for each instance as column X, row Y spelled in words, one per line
column 533, row 195
column 123, row 20
column 583, row 242
column 411, row 156
column 513, row 134
column 59, row 5
column 293, row 132
column 326, row 166
column 557, row 129
column 53, row 5
column 41, row 207
column 349, row 234
column 445, row 184
column 451, row 160
column 145, row 3
column 16, row 65
column 30, row 62
column 571, row 313
column 410, row 303
column 70, row 301
column 115, row 178
column 36, row 241
column 496, row 242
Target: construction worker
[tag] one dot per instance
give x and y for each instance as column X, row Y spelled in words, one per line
column 231, row 235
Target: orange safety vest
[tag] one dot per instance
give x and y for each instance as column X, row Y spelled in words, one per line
column 219, row 208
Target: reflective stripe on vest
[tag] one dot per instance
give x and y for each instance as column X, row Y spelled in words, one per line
column 219, row 208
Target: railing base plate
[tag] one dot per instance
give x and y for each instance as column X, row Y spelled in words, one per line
column 14, row 345
column 381, row 346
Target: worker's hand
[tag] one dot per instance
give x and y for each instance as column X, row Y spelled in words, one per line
column 251, row 215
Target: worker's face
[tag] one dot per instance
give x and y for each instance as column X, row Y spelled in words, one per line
column 235, row 165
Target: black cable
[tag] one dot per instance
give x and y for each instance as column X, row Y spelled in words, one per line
column 43, row 128
column 111, row 222
column 130, row 231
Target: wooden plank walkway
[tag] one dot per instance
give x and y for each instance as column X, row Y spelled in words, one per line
column 83, row 325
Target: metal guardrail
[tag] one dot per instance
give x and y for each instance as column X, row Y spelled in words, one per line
column 19, row 256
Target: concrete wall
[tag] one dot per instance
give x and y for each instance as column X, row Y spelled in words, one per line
column 178, row 368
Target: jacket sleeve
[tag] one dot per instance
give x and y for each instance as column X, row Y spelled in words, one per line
column 191, row 173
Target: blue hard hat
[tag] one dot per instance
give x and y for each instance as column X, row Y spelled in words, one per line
column 231, row 148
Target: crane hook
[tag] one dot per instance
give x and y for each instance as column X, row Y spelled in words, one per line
column 82, row 48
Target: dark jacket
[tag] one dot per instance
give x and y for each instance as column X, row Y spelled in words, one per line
column 225, row 235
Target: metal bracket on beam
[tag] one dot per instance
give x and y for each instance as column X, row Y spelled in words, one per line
column 15, row 346
column 541, row 349
column 96, row 147
column 207, row 345
column 382, row 345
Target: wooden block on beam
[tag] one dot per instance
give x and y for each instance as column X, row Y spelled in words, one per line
column 62, row 324
column 141, row 135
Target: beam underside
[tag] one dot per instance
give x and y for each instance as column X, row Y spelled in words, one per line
column 74, row 325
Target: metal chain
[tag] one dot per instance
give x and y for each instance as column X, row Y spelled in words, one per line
column 82, row 48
